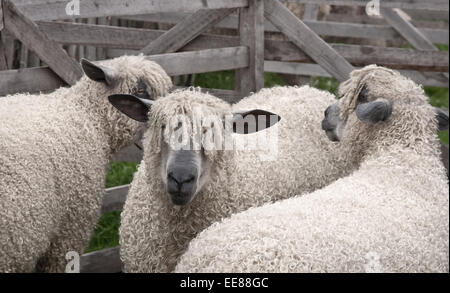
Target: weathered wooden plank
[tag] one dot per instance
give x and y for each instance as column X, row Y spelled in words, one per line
column 30, row 80
column 342, row 25
column 304, row 38
column 114, row 198
column 427, row 14
column 91, row 52
column 397, row 58
column 98, row 35
column 202, row 61
column 406, row 29
column 49, row 51
column 43, row 79
column 33, row 60
column 311, row 12
column 101, row 261
column 51, row 10
column 415, row 4
column 363, row 18
column 7, row 41
column 441, row 5
column 424, row 78
column 101, row 51
column 185, row 31
column 23, row 59
column 1, row 16
column 251, row 34
column 3, row 63
column 132, row 38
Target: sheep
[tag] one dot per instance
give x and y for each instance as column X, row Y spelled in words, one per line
column 161, row 215
column 54, row 153
column 389, row 215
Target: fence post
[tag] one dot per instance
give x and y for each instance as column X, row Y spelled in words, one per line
column 251, row 33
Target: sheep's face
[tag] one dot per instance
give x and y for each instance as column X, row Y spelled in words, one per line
column 368, row 111
column 190, row 135
column 380, row 105
column 184, row 172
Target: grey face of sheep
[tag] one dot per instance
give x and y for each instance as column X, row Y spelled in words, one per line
column 369, row 112
column 111, row 78
column 184, row 173
column 186, row 169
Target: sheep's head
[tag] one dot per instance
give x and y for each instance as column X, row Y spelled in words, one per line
column 380, row 105
column 129, row 74
column 190, row 136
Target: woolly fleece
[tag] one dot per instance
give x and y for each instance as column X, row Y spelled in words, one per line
column 54, row 153
column 390, row 215
column 154, row 232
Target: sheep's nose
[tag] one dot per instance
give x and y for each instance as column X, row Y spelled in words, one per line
column 181, row 180
column 180, row 177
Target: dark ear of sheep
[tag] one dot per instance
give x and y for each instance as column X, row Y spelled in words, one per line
column 442, row 118
column 373, row 112
column 253, row 121
column 132, row 106
column 99, row 73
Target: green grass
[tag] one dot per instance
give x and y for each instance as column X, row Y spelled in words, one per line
column 120, row 173
column 106, row 231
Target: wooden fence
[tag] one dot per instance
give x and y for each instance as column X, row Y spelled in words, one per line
column 51, row 42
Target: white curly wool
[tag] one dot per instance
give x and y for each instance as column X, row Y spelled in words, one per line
column 389, row 215
column 54, row 152
column 154, row 233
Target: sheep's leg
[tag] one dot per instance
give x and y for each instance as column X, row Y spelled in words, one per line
column 21, row 246
column 74, row 230
column 73, row 235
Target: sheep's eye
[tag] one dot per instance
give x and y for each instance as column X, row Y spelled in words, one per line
column 362, row 97
column 142, row 91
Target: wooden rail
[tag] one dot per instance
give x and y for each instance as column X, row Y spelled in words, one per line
column 56, row 10
column 424, row 78
column 101, row 261
column 438, row 5
column 325, row 28
column 43, row 79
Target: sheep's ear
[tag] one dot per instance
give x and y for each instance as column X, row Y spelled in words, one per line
column 132, row 106
column 99, row 73
column 373, row 112
column 442, row 118
column 253, row 121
